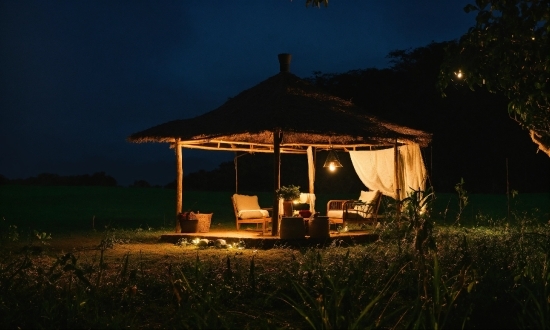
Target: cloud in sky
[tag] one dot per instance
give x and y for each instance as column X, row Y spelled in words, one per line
column 78, row 77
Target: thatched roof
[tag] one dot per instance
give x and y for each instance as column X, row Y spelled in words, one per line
column 304, row 114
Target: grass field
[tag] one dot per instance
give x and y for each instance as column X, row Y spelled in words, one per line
column 125, row 277
column 66, row 208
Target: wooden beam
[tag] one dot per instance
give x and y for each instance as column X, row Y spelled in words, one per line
column 246, row 149
column 179, row 183
column 220, row 144
column 277, row 138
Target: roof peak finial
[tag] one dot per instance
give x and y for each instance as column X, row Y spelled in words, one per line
column 284, row 62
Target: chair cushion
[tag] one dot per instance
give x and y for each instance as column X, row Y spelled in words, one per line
column 252, row 214
column 368, row 196
column 335, row 214
column 245, row 202
column 248, row 207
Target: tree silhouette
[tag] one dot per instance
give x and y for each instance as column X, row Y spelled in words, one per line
column 508, row 51
column 472, row 135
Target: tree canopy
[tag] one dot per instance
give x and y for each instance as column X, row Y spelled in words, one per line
column 508, row 51
column 473, row 138
column 316, row 3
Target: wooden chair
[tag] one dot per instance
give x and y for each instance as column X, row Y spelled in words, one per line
column 335, row 211
column 363, row 210
column 247, row 210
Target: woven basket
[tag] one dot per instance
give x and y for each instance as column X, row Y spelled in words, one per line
column 204, row 222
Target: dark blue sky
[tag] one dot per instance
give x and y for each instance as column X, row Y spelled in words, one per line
column 78, row 77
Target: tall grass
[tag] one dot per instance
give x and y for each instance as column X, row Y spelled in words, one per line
column 476, row 278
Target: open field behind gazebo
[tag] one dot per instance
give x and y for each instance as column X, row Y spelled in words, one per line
column 68, row 208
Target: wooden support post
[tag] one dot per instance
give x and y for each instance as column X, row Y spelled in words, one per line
column 235, row 162
column 396, row 179
column 277, row 137
column 179, row 182
column 311, row 169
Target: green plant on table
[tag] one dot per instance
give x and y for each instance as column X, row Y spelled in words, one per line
column 288, row 193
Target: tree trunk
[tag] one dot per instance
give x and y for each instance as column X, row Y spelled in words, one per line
column 542, row 141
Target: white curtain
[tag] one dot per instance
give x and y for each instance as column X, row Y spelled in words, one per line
column 310, row 196
column 412, row 168
column 376, row 169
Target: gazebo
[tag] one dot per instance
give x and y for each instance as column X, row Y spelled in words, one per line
column 260, row 119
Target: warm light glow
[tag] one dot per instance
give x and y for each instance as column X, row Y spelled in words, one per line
column 459, row 74
column 332, row 161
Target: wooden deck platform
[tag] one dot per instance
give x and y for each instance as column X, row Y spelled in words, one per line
column 255, row 239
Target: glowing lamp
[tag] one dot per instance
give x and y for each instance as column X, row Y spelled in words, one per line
column 332, row 161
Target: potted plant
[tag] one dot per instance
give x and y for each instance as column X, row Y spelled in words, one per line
column 288, row 194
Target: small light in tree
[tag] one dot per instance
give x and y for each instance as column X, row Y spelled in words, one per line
column 459, row 74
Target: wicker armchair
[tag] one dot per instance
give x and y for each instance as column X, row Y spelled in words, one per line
column 364, row 210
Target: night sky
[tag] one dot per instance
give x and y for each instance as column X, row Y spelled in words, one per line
column 78, row 77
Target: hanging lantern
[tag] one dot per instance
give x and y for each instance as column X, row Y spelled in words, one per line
column 332, row 161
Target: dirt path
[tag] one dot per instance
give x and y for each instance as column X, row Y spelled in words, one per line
column 151, row 254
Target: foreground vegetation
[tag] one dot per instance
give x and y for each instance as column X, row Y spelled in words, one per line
column 487, row 272
column 484, row 277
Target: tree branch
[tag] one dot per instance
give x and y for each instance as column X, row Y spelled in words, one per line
column 542, row 141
